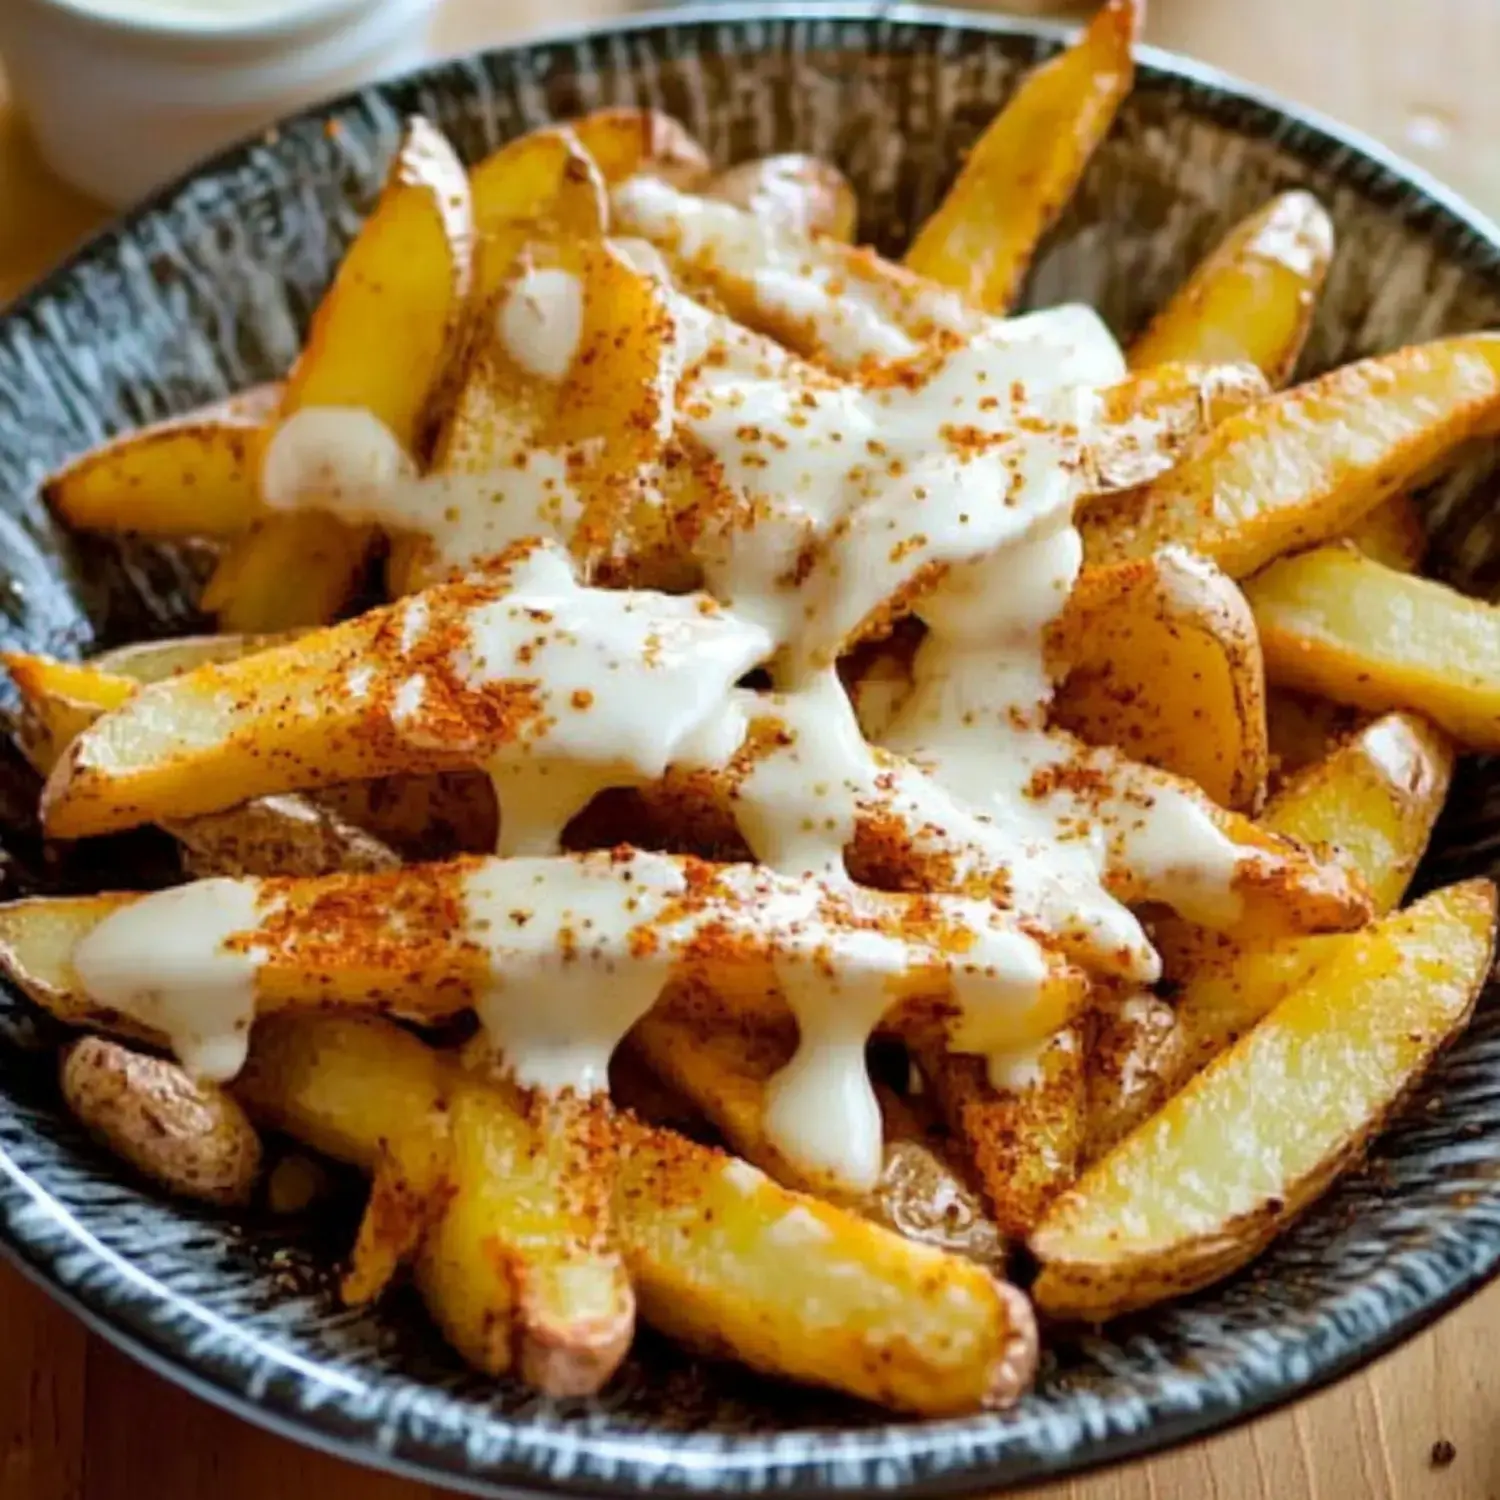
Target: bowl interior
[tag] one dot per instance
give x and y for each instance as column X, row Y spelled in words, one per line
column 209, row 288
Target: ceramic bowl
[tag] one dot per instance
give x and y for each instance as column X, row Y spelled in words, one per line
column 209, row 287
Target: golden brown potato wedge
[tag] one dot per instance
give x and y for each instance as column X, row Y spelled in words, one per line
column 1024, row 1134
column 623, row 142
column 188, row 1137
column 153, row 661
column 1162, row 661
column 1392, row 533
column 379, row 341
column 1372, row 805
column 1023, row 169
column 804, row 193
column 1335, row 622
column 1134, row 1064
column 1252, row 297
column 1204, row 1185
column 1306, row 465
column 192, row 476
column 520, row 1269
column 720, row 1256
column 391, row 940
column 275, row 835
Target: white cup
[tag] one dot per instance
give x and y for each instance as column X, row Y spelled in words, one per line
column 123, row 95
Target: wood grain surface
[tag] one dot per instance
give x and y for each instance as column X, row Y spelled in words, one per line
column 79, row 1421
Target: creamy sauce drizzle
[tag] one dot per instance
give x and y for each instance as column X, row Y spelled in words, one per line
column 923, row 457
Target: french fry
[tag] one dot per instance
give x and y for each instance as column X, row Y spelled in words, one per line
column 1252, row 297
column 191, row 476
column 1372, row 804
column 1161, row 660
column 706, row 1239
column 804, row 193
column 520, row 1270
column 274, row 835
column 1023, row 169
column 395, row 941
column 1203, row 1186
column 1024, row 1137
column 379, row 341
column 1304, row 466
column 1335, row 622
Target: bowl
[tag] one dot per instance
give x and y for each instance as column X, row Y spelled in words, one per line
column 208, row 288
column 122, row 95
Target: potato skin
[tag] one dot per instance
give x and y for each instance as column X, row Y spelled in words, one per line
column 190, row 1138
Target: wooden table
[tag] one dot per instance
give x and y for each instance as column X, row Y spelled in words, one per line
column 80, row 1422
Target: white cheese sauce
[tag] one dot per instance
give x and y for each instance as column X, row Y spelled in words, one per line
column 923, row 458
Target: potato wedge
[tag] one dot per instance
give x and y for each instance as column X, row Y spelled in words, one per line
column 379, row 341
column 1335, row 622
column 1252, row 297
column 396, row 941
column 1023, row 169
column 720, row 1056
column 520, row 1269
column 804, row 193
column 720, row 1256
column 188, row 1137
column 275, row 835
column 1306, row 465
column 1163, row 662
column 191, row 476
column 1204, row 1185
column 1134, row 1065
column 1392, row 534
column 1024, row 1135
column 1372, row 804
column 624, row 142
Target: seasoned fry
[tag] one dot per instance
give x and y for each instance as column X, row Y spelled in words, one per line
column 804, row 193
column 1203, row 1186
column 275, row 835
column 1025, row 1133
column 1306, row 465
column 190, row 476
column 1338, row 623
column 1163, row 662
column 520, row 1270
column 188, row 1137
column 706, row 1239
column 1372, row 804
column 1252, row 297
column 396, row 942
column 379, row 342
column 1022, row 171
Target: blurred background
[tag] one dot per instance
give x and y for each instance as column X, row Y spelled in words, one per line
column 1417, row 74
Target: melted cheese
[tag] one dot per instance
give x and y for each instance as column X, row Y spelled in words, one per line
column 922, row 457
